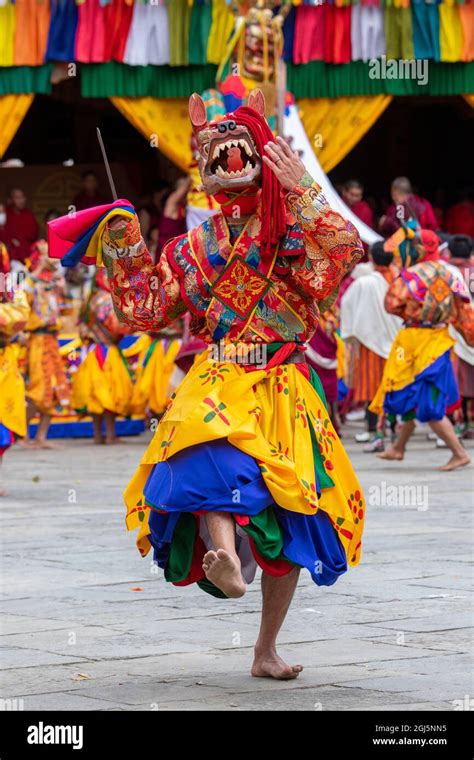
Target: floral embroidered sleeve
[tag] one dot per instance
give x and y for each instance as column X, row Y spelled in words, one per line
column 333, row 246
column 397, row 298
column 146, row 296
column 463, row 319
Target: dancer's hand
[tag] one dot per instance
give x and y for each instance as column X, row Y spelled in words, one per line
column 285, row 163
column 42, row 247
column 117, row 223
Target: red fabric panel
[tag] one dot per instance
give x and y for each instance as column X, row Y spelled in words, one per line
column 275, row 567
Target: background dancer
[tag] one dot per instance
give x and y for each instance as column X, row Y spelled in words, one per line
column 418, row 379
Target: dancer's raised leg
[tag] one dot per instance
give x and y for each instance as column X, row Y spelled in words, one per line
column 222, row 566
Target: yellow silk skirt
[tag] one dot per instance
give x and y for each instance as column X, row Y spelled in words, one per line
column 103, row 388
column 269, row 415
column 150, row 390
column 413, row 350
column 12, row 392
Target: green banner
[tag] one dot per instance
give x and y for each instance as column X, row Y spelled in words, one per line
column 311, row 80
column 19, row 80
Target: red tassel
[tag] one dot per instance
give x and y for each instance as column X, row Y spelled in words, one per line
column 272, row 202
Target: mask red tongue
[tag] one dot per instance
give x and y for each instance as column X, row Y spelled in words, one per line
column 245, row 203
column 234, row 160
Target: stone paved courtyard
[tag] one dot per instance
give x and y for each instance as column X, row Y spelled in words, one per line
column 392, row 634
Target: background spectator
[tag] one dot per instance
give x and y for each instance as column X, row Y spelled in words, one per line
column 89, row 195
column 414, row 207
column 460, row 217
column 352, row 192
column 21, row 228
column 150, row 213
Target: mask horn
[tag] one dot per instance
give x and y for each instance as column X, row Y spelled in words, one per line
column 197, row 112
column 256, row 100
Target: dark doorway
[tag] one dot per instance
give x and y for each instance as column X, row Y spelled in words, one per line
column 427, row 139
column 57, row 141
column 62, row 127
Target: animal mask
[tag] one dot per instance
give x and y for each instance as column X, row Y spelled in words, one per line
column 228, row 156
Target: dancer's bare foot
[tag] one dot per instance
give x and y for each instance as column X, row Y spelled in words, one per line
column 112, row 441
column 391, row 454
column 455, row 462
column 224, row 572
column 27, row 443
column 270, row 665
column 99, row 440
column 45, row 444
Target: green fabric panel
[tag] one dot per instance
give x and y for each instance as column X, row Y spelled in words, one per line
column 209, row 588
column 266, row 532
column 317, row 385
column 125, row 364
column 321, row 80
column 17, row 80
column 325, row 481
column 149, row 353
column 182, row 548
column 106, row 80
column 201, row 20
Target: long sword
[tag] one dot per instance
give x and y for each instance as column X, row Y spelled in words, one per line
column 107, row 166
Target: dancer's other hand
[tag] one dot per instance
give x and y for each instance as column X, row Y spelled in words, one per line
column 285, row 163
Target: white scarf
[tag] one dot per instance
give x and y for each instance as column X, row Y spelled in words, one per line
column 363, row 315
